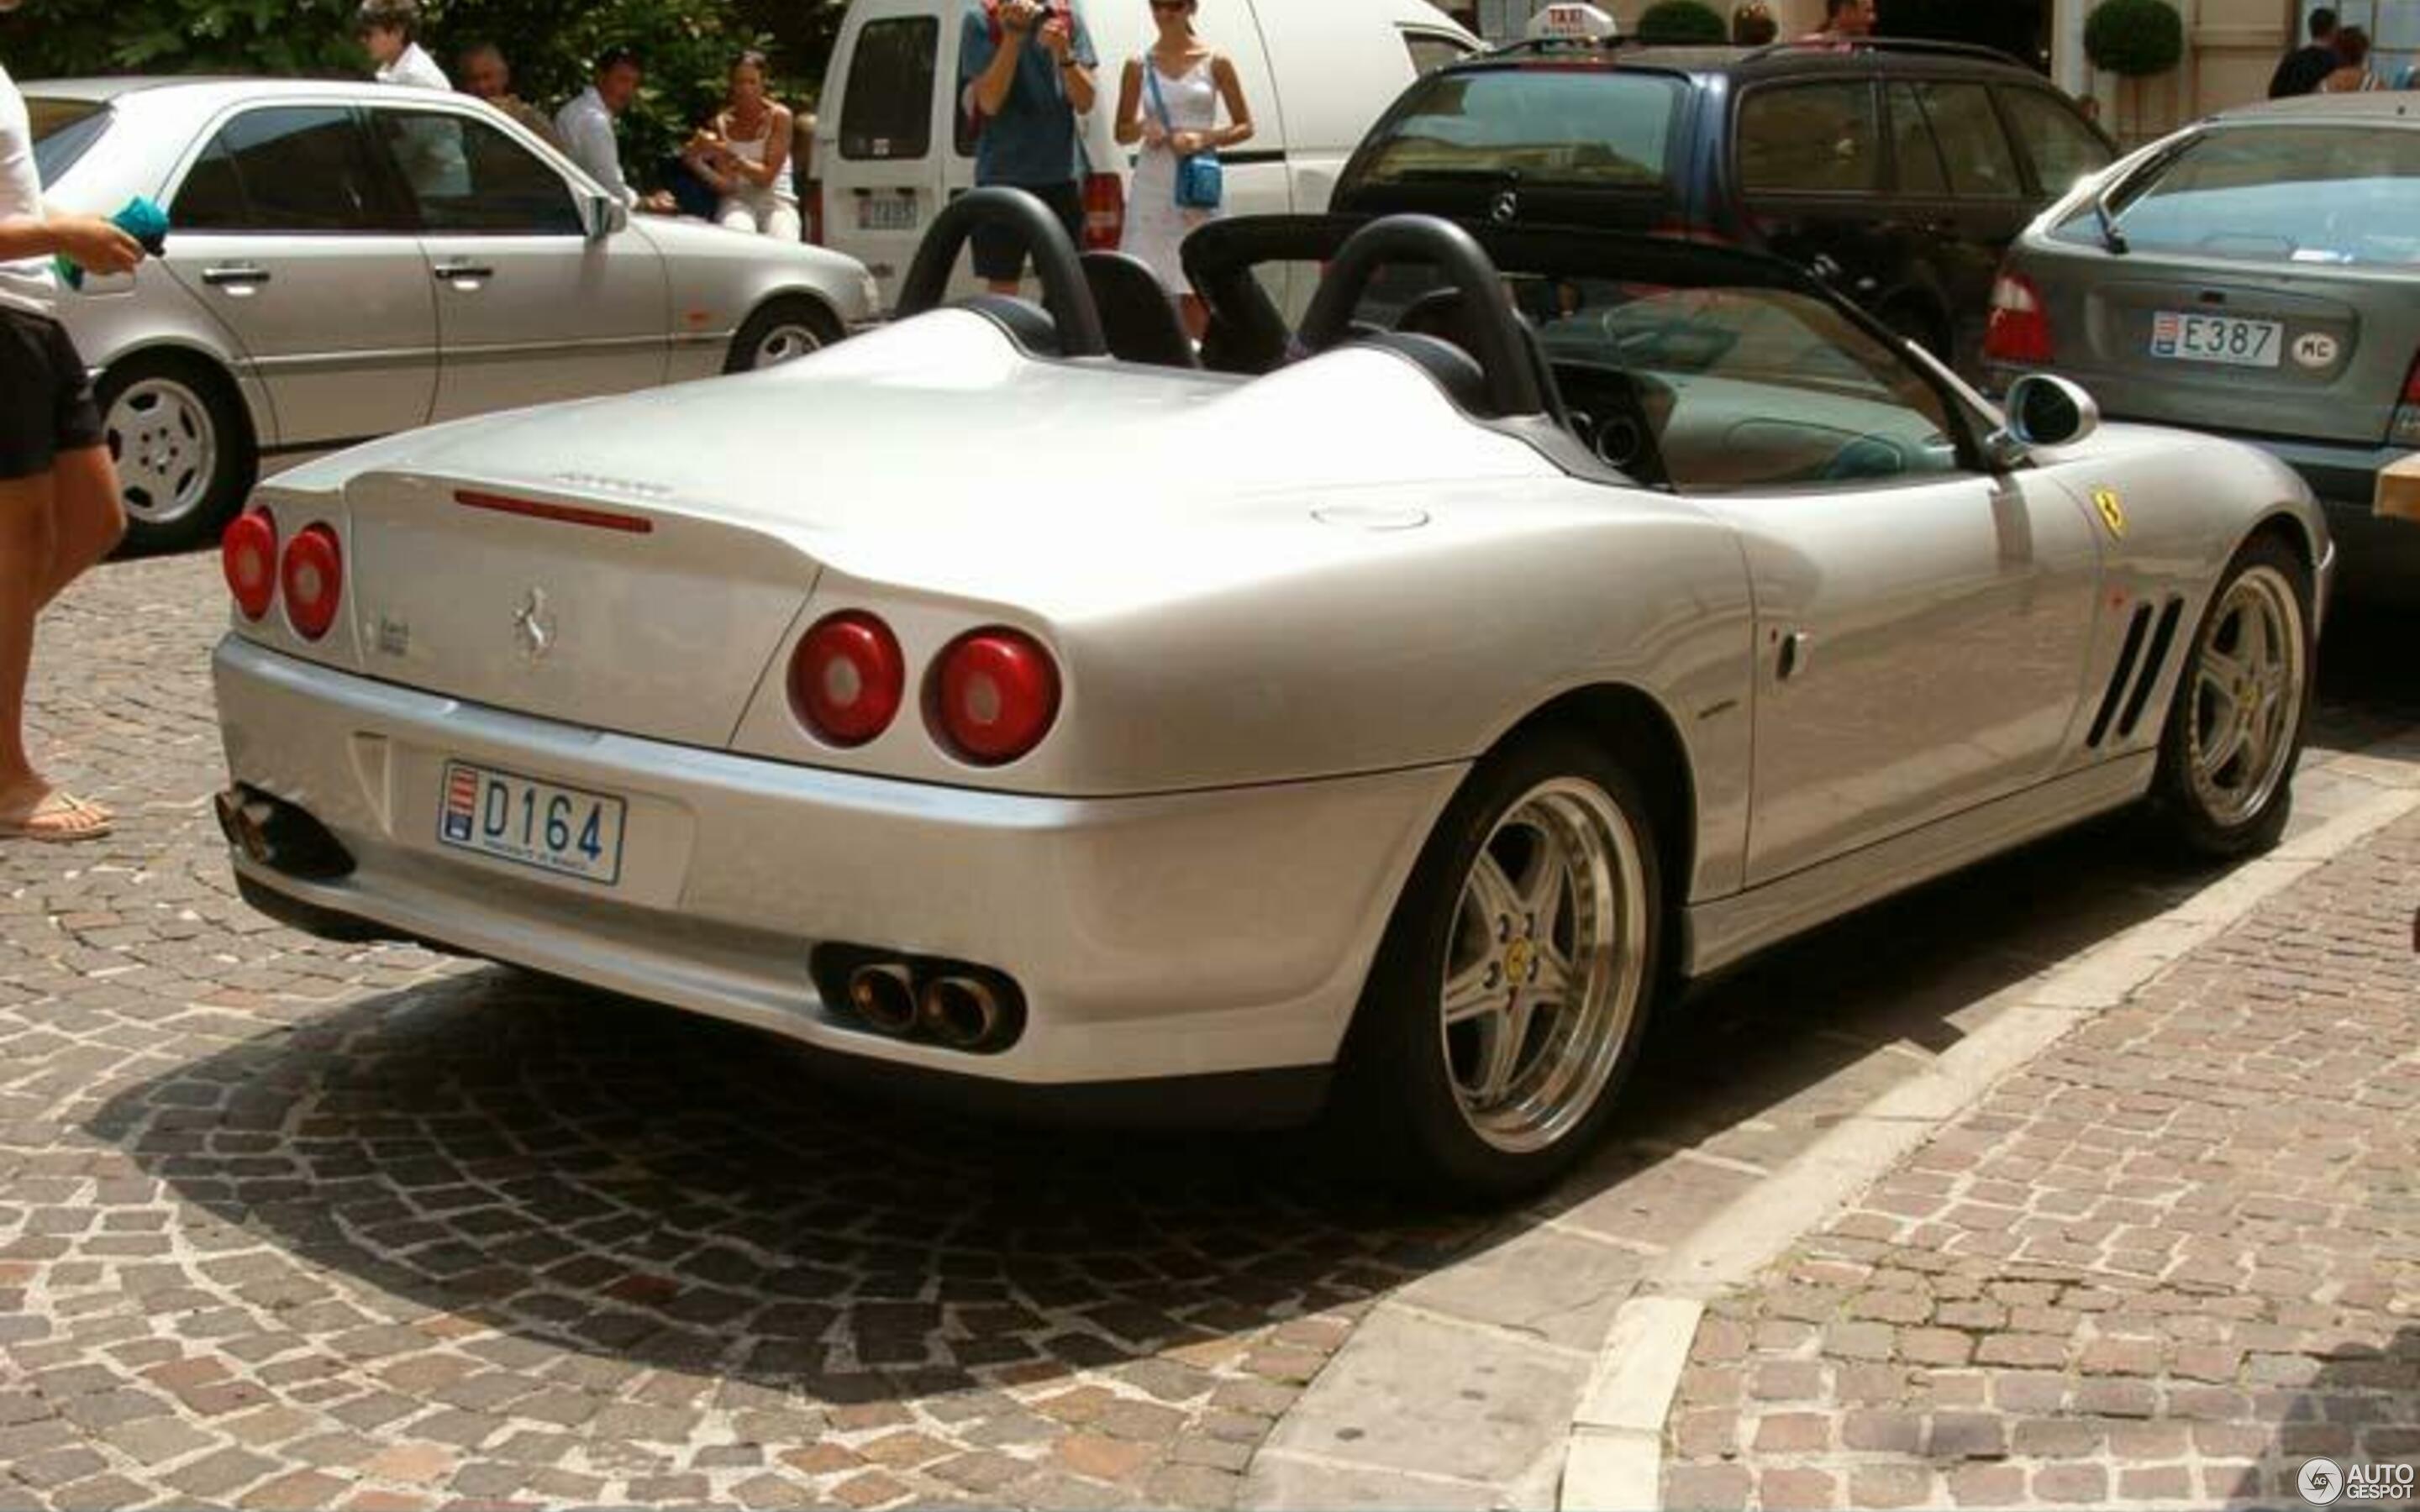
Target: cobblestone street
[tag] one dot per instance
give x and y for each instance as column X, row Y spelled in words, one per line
column 287, row 1224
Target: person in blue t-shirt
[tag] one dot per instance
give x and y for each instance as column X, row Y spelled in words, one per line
column 1026, row 73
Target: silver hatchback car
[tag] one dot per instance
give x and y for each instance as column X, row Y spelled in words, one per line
column 346, row 261
column 2257, row 274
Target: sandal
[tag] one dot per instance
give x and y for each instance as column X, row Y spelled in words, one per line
column 61, row 818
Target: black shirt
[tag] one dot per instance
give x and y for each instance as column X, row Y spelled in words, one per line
column 2302, row 69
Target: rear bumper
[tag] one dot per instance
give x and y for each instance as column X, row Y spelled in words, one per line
column 1200, row 936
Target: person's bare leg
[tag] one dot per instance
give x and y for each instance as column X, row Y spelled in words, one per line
column 1195, row 315
column 90, row 519
column 28, row 535
column 1002, row 286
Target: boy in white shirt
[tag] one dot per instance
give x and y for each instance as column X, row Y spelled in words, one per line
column 59, row 509
column 390, row 30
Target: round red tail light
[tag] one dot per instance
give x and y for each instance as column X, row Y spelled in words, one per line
column 313, row 575
column 996, row 692
column 248, row 557
column 847, row 678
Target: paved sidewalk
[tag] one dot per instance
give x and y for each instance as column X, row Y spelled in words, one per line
column 2168, row 1263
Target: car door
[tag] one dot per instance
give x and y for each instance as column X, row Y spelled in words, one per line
column 1809, row 163
column 1923, row 625
column 883, row 158
column 1989, row 204
column 530, row 308
column 288, row 233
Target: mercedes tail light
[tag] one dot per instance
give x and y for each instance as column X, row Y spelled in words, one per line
column 847, row 678
column 995, row 694
column 1104, row 213
column 2019, row 331
column 2407, row 411
column 312, row 577
column 248, row 557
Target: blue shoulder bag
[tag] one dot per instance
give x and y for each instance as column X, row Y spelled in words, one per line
column 1200, row 182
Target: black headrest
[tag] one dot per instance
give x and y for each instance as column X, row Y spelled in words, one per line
column 1455, row 371
column 1137, row 315
column 1026, row 323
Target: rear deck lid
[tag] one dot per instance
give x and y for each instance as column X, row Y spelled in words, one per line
column 550, row 600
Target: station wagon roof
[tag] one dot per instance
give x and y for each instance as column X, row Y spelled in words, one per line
column 1776, row 59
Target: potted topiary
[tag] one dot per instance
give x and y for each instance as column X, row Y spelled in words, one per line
column 2134, row 39
column 1683, row 23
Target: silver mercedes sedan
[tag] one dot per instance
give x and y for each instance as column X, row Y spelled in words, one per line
column 2257, row 274
column 346, row 261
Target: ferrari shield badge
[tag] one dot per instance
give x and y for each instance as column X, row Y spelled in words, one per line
column 2113, row 511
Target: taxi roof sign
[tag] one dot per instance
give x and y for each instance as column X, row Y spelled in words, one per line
column 1582, row 22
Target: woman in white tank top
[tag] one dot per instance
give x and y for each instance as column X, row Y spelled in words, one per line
column 746, row 156
column 1194, row 81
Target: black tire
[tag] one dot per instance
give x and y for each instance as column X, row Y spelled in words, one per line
column 156, row 520
column 792, row 312
column 1398, row 1097
column 2193, row 808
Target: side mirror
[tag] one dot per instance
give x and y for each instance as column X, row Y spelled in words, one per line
column 601, row 215
column 2041, row 411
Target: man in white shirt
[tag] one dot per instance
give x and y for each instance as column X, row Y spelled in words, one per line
column 59, row 509
column 585, row 128
column 390, row 31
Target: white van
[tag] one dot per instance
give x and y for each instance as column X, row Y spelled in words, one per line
column 893, row 146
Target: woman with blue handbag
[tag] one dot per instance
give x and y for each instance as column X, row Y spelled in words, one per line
column 1169, row 102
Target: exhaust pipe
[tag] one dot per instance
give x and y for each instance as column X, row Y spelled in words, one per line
column 963, row 1012
column 884, row 996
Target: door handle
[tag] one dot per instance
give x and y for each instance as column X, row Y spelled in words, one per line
column 236, row 278
column 1795, row 647
column 462, row 273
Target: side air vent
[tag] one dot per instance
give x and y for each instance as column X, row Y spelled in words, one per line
column 2128, row 655
column 2154, row 662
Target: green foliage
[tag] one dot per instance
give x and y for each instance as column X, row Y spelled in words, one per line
column 688, row 45
column 1683, row 23
column 2134, row 38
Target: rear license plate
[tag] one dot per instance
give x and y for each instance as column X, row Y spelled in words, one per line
column 886, row 212
column 568, row 831
column 2216, row 338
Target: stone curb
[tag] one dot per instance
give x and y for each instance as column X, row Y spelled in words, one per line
column 1614, row 1455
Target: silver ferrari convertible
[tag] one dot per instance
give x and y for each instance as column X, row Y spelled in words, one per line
column 1382, row 712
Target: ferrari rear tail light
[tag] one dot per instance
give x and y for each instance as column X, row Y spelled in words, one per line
column 847, row 678
column 2019, row 330
column 2406, row 412
column 313, row 575
column 1104, row 213
column 248, row 557
column 994, row 695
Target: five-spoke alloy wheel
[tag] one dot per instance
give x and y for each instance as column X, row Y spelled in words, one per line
column 1515, row 977
column 2235, row 730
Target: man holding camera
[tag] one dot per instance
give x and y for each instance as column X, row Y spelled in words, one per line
column 1026, row 71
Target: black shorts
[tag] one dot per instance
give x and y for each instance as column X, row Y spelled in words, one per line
column 999, row 251
column 46, row 403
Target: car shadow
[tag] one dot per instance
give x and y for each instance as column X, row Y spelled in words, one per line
column 610, row 1178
